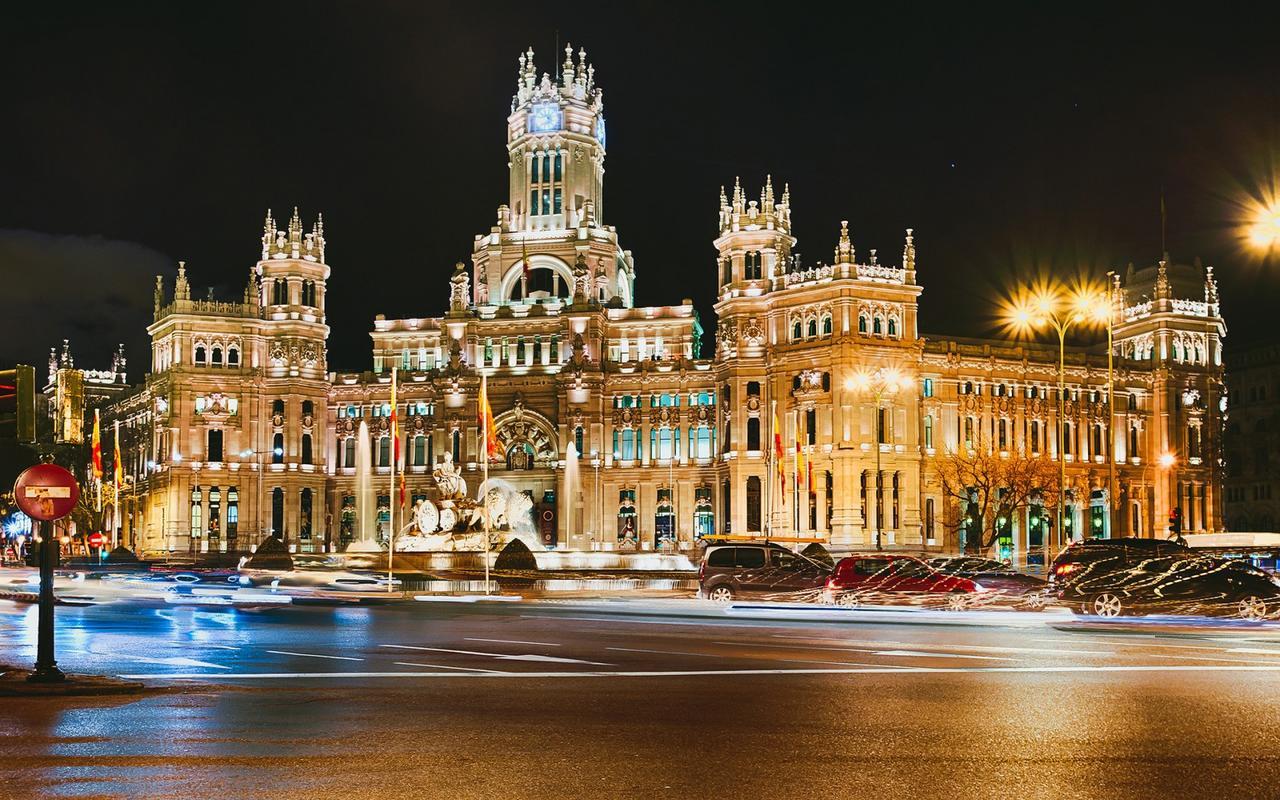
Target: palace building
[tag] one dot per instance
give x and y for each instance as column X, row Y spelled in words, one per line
column 623, row 426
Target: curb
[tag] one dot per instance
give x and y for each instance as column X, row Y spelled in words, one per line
column 13, row 683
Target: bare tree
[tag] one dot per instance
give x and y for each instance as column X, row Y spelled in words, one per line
column 993, row 487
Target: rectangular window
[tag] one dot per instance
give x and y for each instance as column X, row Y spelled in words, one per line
column 556, row 207
column 928, row 387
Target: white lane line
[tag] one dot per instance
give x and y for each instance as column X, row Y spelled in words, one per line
column 720, row 672
column 868, row 646
column 922, row 654
column 511, row 641
column 747, row 658
column 1154, row 644
column 500, row 656
column 1258, row 651
column 711, row 621
column 445, row 666
column 1219, row 658
column 313, row 655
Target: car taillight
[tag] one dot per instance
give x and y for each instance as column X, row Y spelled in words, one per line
column 702, row 570
column 831, row 583
column 1065, row 569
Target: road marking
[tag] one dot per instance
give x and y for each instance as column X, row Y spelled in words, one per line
column 662, row 652
column 445, row 666
column 695, row 673
column 983, row 648
column 921, row 654
column 511, row 641
column 313, row 655
column 1219, row 658
column 501, row 656
column 221, row 646
column 718, row 622
column 748, row 658
column 1259, row 651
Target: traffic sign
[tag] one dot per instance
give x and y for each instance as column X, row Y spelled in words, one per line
column 46, row 492
column 95, row 539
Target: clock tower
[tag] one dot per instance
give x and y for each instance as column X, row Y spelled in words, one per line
column 555, row 146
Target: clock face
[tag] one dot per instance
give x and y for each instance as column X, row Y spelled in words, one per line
column 544, row 117
column 600, row 129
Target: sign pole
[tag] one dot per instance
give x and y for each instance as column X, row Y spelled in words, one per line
column 46, row 666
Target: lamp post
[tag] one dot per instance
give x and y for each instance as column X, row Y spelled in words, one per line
column 1050, row 308
column 1167, row 463
column 877, row 384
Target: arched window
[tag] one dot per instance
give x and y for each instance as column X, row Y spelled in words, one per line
column 862, row 323
column 796, row 331
column 233, row 357
column 826, row 325
column 457, row 447
column 893, row 326
column 277, row 407
column 1133, row 441
column 200, row 354
column 877, row 325
column 217, row 357
column 578, row 437
column 280, row 292
column 308, row 408
column 277, row 513
column 384, row 451
column 306, row 448
column 277, row 449
column 349, row 452
column 753, row 503
column 304, row 515
column 813, row 328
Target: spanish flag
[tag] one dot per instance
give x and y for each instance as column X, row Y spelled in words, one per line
column 777, row 452
column 492, row 446
column 118, row 471
column 395, row 433
column 799, row 454
column 97, row 448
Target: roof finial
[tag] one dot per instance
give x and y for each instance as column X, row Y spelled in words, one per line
column 567, row 69
column 909, row 252
column 768, row 193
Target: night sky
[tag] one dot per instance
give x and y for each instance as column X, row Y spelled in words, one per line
column 1017, row 142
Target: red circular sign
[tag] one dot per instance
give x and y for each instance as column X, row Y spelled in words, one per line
column 46, row 492
column 95, row 539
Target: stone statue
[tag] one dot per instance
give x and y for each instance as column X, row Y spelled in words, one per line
column 449, row 479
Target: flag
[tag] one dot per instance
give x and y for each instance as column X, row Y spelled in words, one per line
column 799, row 458
column 97, row 448
column 118, row 471
column 492, row 446
column 524, row 258
column 777, row 452
column 395, row 433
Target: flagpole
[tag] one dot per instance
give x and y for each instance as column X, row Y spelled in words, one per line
column 391, row 491
column 484, row 458
column 115, row 483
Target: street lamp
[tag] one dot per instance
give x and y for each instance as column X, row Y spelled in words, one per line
column 877, row 384
column 1263, row 230
column 1058, row 310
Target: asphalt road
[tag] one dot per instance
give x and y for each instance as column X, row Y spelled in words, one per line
column 448, row 700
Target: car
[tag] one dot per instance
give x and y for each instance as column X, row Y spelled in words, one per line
column 881, row 577
column 1181, row 584
column 1081, row 569
column 752, row 569
column 1006, row 583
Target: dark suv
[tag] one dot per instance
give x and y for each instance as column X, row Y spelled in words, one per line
column 747, row 569
column 1083, row 566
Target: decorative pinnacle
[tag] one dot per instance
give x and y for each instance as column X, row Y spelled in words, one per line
column 568, row 77
column 844, row 249
column 909, row 251
column 767, row 199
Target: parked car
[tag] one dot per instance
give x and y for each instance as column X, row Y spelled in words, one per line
column 889, row 578
column 749, row 569
column 1182, row 584
column 1026, row 591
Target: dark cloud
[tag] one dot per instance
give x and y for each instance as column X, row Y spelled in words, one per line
column 91, row 290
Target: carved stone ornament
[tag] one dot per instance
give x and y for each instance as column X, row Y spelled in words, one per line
column 753, row 334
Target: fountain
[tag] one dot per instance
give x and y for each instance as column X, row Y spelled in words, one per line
column 364, row 541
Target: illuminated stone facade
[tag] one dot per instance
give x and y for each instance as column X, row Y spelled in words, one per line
column 671, row 444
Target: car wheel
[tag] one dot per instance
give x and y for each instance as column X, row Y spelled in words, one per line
column 1252, row 607
column 1034, row 600
column 848, row 600
column 956, row 601
column 720, row 594
column 1107, row 604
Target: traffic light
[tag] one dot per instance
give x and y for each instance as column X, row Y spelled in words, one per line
column 18, row 387
column 1175, row 520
